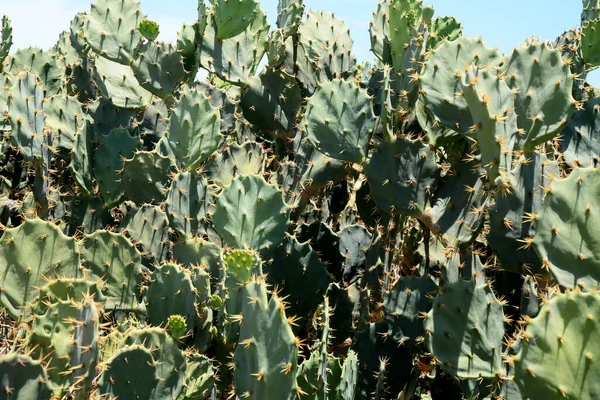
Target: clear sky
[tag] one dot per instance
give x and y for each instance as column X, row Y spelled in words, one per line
column 504, row 24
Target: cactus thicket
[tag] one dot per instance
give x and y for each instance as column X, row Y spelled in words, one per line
column 298, row 225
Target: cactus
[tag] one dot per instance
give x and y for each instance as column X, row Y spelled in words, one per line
column 5, row 39
column 200, row 378
column 146, row 176
column 153, row 62
column 265, row 329
column 45, row 65
column 189, row 201
column 149, row 227
column 23, row 378
column 118, row 84
column 464, row 330
column 563, row 233
column 33, row 251
column 339, row 120
column 578, row 142
column 563, row 332
column 114, row 260
column 251, row 213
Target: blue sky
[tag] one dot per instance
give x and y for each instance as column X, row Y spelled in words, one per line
column 504, row 24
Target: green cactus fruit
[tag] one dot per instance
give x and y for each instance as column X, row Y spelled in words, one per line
column 26, row 116
column 464, row 330
column 236, row 159
column 234, row 59
column 146, row 177
column 564, row 232
column 112, row 29
column 251, row 213
column 579, row 141
column 443, row 29
column 404, row 306
column 295, row 269
column 29, row 253
column 109, row 160
column 114, row 260
column 327, row 43
column 23, row 378
column 176, row 326
column 339, row 120
column 200, row 378
column 402, row 174
column 243, row 265
column 81, row 164
column 189, row 201
column 148, row 227
column 194, row 129
column 439, row 94
column 46, row 65
column 118, row 84
column 131, row 373
column 271, row 101
column 557, row 357
column 149, row 29
column 167, row 357
column 519, row 198
column 543, row 84
column 459, row 204
column 266, row 355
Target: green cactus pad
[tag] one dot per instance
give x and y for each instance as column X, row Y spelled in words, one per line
column 5, row 39
column 26, row 116
column 149, row 227
column 123, row 371
column 404, row 17
column 443, row 29
column 339, row 120
column 289, row 15
column 543, row 84
column 200, row 378
column 68, row 289
column 194, row 129
column 266, row 355
column 296, row 270
column 559, row 349
column 404, row 306
column 580, row 140
column 565, row 231
column 459, row 205
column 118, row 84
column 159, row 68
column 64, row 118
column 271, row 101
column 111, row 29
column 81, row 165
column 590, row 44
column 379, row 29
column 510, row 226
column 109, row 160
column 247, row 158
column 251, row 213
column 23, row 378
column 188, row 203
column 402, row 174
column 29, row 253
column 464, row 330
column 201, row 253
column 168, row 359
column 146, row 177
column 46, row 65
column 439, row 94
column 113, row 259
column 234, row 59
column 233, row 18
